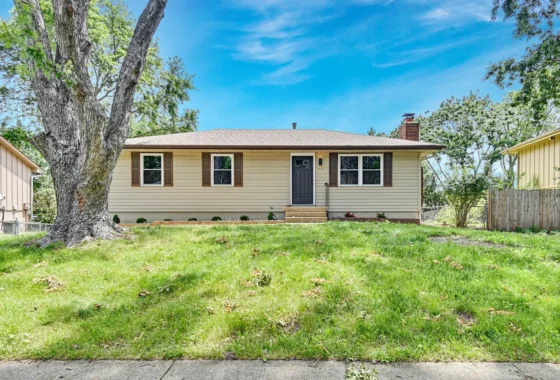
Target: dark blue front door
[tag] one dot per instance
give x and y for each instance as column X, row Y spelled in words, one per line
column 302, row 180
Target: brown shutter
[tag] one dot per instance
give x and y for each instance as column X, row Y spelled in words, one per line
column 206, row 177
column 168, row 169
column 388, row 169
column 135, row 169
column 333, row 169
column 238, row 162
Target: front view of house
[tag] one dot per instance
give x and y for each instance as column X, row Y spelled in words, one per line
column 297, row 174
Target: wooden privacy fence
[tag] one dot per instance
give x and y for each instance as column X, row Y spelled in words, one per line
column 511, row 208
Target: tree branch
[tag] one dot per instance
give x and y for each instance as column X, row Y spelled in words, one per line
column 39, row 25
column 131, row 70
column 70, row 20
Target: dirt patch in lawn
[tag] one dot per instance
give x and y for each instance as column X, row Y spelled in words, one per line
column 464, row 241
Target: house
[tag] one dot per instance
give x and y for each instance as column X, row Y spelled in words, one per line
column 297, row 174
column 538, row 164
column 16, row 183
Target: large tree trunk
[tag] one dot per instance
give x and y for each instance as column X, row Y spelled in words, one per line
column 81, row 141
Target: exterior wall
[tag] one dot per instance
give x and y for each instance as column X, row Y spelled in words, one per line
column 15, row 185
column 266, row 188
column 539, row 161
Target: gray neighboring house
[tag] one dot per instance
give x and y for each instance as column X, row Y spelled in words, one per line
column 298, row 174
column 16, row 183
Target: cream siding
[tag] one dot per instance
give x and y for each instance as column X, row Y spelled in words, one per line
column 15, row 185
column 538, row 161
column 266, row 188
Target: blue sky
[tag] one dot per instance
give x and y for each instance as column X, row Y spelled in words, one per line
column 343, row 65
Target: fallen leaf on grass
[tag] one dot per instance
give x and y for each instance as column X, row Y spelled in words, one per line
column 376, row 254
column 229, row 306
column 493, row 311
column 280, row 253
column 465, row 320
column 433, row 318
column 144, row 293
column 147, row 268
column 221, row 240
column 53, row 284
column 447, row 259
column 252, row 293
column 41, row 264
column 318, row 281
column 98, row 306
column 210, row 310
column 289, row 323
column 493, row 267
column 436, row 261
column 246, row 283
column 322, row 261
column 313, row 293
column 514, row 328
column 455, row 265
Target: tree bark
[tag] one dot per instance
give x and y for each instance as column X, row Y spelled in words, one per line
column 81, row 141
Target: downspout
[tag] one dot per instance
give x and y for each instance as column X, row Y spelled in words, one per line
column 33, row 177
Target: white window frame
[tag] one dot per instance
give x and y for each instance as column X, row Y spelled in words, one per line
column 360, row 168
column 232, row 169
column 142, row 155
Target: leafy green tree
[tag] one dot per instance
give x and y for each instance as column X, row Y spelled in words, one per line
column 538, row 70
column 465, row 167
column 81, row 73
column 433, row 191
column 512, row 122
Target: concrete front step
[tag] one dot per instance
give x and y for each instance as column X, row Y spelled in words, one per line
column 297, row 219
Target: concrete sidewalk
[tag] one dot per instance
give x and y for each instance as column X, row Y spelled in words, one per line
column 269, row 370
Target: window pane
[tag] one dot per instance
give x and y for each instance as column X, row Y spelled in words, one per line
column 349, row 162
column 222, row 177
column 222, row 162
column 302, row 163
column 152, row 177
column 152, row 162
column 349, row 177
column 372, row 162
column 372, row 177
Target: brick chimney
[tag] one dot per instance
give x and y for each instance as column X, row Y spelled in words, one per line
column 409, row 129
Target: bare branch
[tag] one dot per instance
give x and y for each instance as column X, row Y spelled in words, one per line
column 131, row 70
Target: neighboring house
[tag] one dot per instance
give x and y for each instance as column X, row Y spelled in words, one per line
column 234, row 172
column 538, row 161
column 16, row 183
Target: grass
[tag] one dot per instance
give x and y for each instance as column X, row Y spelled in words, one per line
column 371, row 291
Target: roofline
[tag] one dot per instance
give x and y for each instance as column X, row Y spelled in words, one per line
column 287, row 147
column 23, row 157
column 516, row 148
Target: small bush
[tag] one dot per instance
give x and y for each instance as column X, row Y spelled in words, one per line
column 271, row 216
column 216, row 218
column 243, row 217
column 167, row 220
column 116, row 219
column 381, row 215
column 192, row 219
column 141, row 220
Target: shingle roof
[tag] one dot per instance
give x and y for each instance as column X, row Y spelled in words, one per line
column 274, row 139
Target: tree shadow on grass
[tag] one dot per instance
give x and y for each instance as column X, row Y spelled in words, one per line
column 147, row 326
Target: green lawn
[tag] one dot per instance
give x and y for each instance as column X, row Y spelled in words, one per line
column 377, row 291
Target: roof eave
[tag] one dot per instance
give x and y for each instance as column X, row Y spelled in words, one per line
column 287, row 147
column 535, row 140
